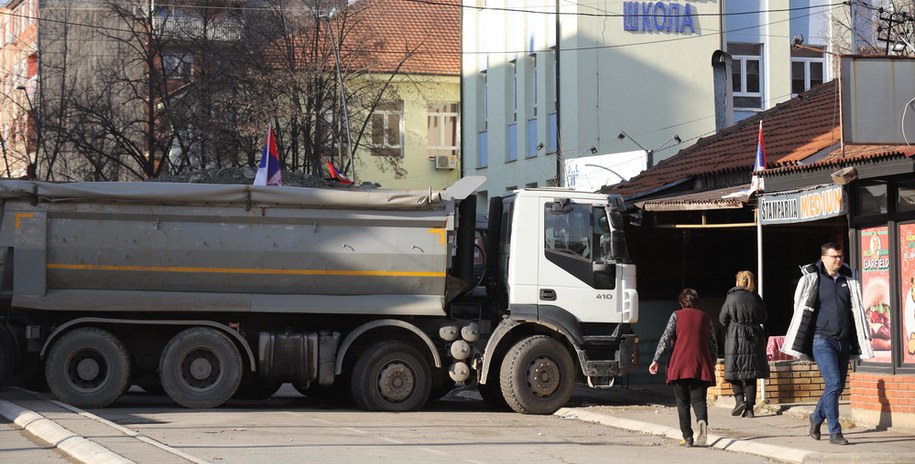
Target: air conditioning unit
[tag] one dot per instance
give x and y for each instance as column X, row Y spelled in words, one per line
column 445, row 161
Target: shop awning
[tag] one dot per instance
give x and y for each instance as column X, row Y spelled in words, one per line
column 697, row 201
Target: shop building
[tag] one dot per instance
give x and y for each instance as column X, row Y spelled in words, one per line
column 838, row 169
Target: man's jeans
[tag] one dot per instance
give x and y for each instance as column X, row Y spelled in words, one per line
column 832, row 357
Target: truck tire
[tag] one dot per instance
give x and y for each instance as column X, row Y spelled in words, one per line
column 391, row 376
column 537, row 375
column 200, row 368
column 88, row 368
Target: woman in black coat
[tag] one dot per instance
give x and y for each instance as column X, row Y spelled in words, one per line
column 745, row 361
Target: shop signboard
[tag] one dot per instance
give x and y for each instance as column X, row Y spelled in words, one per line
column 820, row 202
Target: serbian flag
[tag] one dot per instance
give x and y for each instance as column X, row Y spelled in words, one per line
column 758, row 182
column 268, row 171
column 337, row 175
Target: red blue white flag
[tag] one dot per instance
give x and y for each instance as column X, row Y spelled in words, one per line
column 337, row 175
column 758, row 182
column 268, row 171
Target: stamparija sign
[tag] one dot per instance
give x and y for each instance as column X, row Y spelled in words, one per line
column 824, row 201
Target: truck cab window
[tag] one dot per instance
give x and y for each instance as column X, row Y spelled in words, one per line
column 569, row 231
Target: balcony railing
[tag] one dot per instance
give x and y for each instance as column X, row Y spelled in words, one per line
column 193, row 29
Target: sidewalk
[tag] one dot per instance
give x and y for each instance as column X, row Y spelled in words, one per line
column 778, row 431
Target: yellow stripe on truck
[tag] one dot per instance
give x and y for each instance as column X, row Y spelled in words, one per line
column 232, row 270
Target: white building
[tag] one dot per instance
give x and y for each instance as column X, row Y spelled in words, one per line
column 543, row 80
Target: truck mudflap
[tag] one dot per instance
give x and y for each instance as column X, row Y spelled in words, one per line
column 601, row 373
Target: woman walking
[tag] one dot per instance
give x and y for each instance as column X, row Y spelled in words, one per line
column 745, row 361
column 690, row 338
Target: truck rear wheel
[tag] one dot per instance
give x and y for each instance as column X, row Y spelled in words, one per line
column 88, row 368
column 537, row 376
column 200, row 368
column 391, row 376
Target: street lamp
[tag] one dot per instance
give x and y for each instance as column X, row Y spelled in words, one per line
column 345, row 112
column 606, row 169
column 649, row 152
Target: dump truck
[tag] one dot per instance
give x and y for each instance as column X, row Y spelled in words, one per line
column 392, row 298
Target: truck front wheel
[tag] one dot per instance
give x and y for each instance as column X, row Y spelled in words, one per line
column 537, row 376
column 88, row 368
column 200, row 368
column 391, row 376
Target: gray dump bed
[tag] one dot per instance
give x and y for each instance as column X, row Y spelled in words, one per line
column 203, row 247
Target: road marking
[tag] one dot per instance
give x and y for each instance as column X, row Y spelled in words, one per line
column 391, row 440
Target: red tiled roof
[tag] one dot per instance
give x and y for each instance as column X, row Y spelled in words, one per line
column 792, row 132
column 406, row 36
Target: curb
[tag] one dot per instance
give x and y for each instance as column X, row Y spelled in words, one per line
column 779, row 453
column 76, row 446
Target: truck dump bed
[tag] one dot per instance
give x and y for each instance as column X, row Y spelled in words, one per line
column 203, row 247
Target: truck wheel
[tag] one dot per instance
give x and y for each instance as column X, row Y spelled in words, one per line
column 200, row 368
column 391, row 376
column 537, row 376
column 88, row 368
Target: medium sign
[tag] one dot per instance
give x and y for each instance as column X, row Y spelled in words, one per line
column 817, row 203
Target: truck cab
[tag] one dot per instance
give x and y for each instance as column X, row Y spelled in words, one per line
column 567, row 276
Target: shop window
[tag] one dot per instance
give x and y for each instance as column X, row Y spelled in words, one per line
column 905, row 201
column 871, row 199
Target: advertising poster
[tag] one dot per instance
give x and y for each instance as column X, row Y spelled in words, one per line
column 907, row 290
column 875, row 285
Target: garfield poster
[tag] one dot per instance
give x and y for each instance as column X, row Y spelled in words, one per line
column 875, row 285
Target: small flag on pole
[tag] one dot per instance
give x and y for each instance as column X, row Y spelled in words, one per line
column 268, row 171
column 337, row 175
column 758, row 183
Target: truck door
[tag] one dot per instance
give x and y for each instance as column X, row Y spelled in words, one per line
column 573, row 272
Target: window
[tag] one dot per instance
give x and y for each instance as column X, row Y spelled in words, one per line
column 443, row 129
column 746, row 75
column 514, row 90
column 386, row 131
column 808, row 68
column 532, row 85
column 484, row 97
column 177, row 65
column 871, row 199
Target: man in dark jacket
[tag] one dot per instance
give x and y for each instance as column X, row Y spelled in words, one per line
column 828, row 325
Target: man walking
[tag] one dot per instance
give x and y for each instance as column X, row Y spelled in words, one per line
column 828, row 325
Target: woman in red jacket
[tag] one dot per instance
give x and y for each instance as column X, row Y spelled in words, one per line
column 690, row 338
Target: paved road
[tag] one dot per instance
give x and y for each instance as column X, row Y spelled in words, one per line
column 291, row 429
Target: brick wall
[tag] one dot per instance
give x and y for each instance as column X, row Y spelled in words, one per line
column 883, row 392
column 789, row 382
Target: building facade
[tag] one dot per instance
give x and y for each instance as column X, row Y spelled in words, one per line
column 18, row 87
column 546, row 83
